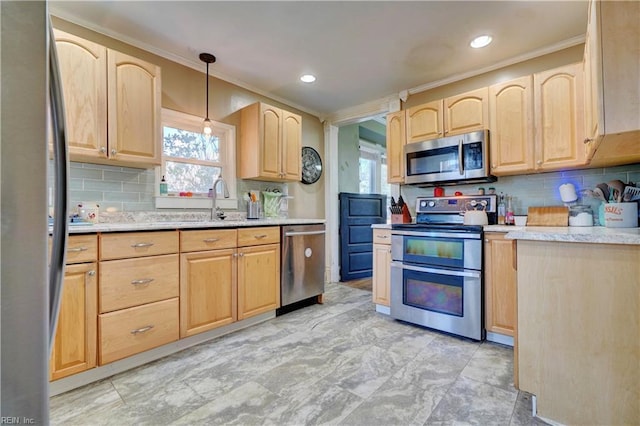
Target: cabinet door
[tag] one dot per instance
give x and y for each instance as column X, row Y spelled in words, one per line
column 74, row 345
column 134, row 109
column 466, row 112
column 591, row 82
column 425, row 122
column 258, row 280
column 511, row 126
column 381, row 274
column 83, row 69
column 270, row 134
column 208, row 290
column 291, row 146
column 559, row 116
column 395, row 144
column 500, row 284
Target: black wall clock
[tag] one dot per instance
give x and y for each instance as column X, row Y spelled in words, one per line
column 311, row 165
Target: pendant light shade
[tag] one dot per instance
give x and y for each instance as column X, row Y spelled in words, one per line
column 208, row 58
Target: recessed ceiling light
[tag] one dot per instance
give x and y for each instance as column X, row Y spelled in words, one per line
column 480, row 41
column 308, row 78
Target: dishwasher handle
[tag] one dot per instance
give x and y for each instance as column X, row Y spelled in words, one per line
column 297, row 233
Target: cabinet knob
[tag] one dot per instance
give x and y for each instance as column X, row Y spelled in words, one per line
column 91, row 273
column 114, row 152
column 235, row 254
column 587, row 140
column 103, row 150
column 486, row 240
column 493, row 166
column 539, row 162
column 241, row 254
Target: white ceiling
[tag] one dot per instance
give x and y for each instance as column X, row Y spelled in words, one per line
column 361, row 51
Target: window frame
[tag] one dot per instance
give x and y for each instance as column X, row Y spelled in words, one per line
column 227, row 138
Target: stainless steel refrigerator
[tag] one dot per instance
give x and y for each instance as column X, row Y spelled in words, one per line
column 25, row 297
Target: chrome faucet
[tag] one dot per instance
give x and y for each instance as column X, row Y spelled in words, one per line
column 225, row 190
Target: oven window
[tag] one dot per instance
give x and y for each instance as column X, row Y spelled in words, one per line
column 431, row 247
column 438, row 293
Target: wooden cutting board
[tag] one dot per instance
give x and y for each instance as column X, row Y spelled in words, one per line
column 548, row 216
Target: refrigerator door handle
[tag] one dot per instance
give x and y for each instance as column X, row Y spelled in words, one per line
column 61, row 177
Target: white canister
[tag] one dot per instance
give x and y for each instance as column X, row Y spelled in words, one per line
column 568, row 193
column 621, row 215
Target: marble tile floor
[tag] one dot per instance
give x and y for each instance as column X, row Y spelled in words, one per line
column 340, row 363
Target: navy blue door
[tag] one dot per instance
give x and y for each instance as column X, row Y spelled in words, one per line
column 357, row 213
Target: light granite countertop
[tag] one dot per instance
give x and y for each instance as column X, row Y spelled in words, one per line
column 568, row 234
column 593, row 234
column 185, row 224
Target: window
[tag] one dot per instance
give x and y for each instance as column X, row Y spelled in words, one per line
column 191, row 161
column 373, row 169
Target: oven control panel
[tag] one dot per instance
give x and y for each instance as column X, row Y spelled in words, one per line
column 457, row 204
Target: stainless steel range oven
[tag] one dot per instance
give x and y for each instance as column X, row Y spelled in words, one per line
column 436, row 268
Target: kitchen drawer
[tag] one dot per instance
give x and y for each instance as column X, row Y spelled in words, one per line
column 382, row 236
column 258, row 236
column 131, row 282
column 81, row 248
column 137, row 244
column 208, row 240
column 130, row 331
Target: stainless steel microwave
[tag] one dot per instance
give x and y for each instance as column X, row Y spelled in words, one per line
column 449, row 160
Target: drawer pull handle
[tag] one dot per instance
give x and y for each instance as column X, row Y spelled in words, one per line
column 77, row 249
column 141, row 330
column 383, row 236
column 138, row 245
column 142, row 281
column 261, row 236
column 211, row 240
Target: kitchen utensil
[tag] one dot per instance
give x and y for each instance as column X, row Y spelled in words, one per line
column 616, row 187
column 599, row 194
column 631, row 193
column 604, row 188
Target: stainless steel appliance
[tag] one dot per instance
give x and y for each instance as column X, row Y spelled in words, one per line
column 302, row 268
column 29, row 303
column 436, row 268
column 449, row 160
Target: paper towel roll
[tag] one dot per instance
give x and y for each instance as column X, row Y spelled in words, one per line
column 568, row 193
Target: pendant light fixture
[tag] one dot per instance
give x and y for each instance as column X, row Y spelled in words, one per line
column 208, row 58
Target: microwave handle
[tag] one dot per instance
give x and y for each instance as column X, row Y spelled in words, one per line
column 460, row 159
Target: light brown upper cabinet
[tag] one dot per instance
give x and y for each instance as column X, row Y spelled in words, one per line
column 112, row 102
column 446, row 117
column 612, row 72
column 395, row 143
column 270, row 144
column 559, row 118
column 511, row 126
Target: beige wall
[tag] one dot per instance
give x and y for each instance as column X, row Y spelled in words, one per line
column 542, row 63
column 183, row 89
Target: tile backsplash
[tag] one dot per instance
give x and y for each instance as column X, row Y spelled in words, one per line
column 128, row 189
column 537, row 189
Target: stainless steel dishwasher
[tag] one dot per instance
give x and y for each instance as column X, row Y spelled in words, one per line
column 302, row 257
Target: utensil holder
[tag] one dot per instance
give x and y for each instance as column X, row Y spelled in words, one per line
column 405, row 217
column 621, row 215
column 253, row 210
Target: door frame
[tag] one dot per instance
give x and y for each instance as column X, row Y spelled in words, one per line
column 332, row 214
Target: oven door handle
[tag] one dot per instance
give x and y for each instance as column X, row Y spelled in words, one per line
column 461, row 235
column 465, row 273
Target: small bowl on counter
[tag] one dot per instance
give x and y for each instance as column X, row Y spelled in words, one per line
column 520, row 220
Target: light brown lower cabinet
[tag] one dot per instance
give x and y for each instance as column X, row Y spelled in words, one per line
column 129, row 331
column 381, row 280
column 208, row 290
column 500, row 289
column 258, row 280
column 74, row 346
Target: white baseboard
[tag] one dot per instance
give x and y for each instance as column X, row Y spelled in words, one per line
column 383, row 309
column 500, row 338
